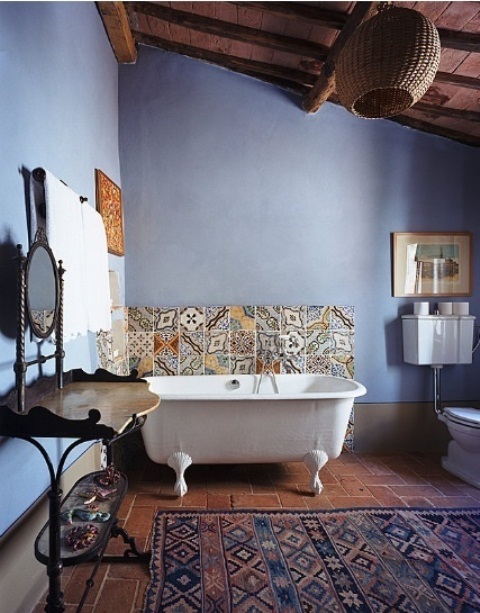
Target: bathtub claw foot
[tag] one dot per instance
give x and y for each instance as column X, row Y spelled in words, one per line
column 180, row 461
column 314, row 461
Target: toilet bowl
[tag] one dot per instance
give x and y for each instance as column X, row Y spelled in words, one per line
column 463, row 456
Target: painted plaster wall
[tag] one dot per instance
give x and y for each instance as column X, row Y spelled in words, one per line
column 236, row 196
column 59, row 110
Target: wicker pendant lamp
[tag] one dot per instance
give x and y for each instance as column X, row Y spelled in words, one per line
column 388, row 63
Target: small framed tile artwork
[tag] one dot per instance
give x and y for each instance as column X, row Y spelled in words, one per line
column 109, row 205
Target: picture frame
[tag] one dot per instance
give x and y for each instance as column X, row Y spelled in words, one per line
column 109, row 205
column 432, row 264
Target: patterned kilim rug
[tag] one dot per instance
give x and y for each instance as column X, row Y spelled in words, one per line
column 323, row 562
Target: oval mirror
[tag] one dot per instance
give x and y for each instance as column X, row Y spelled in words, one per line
column 41, row 289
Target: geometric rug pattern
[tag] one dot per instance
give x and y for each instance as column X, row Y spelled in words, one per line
column 355, row 561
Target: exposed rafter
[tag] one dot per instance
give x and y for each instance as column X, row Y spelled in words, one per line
column 325, row 84
column 115, row 20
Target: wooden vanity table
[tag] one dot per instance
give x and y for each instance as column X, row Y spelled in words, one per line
column 82, row 408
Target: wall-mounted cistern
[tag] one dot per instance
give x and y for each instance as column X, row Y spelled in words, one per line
column 436, row 341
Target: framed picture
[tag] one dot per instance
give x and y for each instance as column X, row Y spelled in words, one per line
column 109, row 205
column 431, row 264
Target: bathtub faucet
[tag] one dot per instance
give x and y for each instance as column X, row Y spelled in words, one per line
column 268, row 368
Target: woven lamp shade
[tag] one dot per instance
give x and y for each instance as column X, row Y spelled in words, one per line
column 388, row 63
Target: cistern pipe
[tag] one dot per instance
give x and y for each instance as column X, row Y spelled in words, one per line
column 437, row 391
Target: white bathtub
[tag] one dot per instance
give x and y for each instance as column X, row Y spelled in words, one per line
column 223, row 419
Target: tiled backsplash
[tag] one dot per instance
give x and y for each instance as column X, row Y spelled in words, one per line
column 232, row 340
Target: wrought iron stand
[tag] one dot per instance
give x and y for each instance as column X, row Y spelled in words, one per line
column 38, row 423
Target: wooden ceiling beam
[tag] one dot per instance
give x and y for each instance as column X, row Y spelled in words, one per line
column 325, row 84
column 225, row 29
column 115, row 21
column 460, row 41
column 437, row 130
column 436, row 111
column 296, row 11
column 296, row 80
column 458, row 80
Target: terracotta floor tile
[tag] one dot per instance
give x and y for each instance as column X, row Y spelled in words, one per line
column 292, row 500
column 385, row 496
column 74, row 587
column 353, row 486
column 117, row 596
column 255, row 501
column 415, row 490
column 416, row 501
column 345, row 502
column 386, row 479
column 453, row 502
column 195, row 499
column 218, row 501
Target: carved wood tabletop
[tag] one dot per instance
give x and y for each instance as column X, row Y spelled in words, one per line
column 117, row 402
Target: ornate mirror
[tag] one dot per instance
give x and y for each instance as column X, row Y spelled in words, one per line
column 42, row 295
column 40, row 303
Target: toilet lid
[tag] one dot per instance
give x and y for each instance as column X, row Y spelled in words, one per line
column 465, row 414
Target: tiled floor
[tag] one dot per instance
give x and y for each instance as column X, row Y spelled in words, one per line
column 353, row 480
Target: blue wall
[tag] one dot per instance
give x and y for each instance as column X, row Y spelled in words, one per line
column 236, row 196
column 59, row 110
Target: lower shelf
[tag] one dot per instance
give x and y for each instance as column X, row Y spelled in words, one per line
column 93, row 495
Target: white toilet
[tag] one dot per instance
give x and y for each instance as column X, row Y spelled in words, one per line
column 436, row 341
column 463, row 458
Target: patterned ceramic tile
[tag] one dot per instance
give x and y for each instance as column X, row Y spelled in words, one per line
column 140, row 344
column 217, row 342
column 242, row 342
column 192, row 319
column 349, row 440
column 293, row 365
column 242, row 318
column 295, row 344
column 165, row 364
column 144, row 366
column 216, row 365
column 293, row 318
column 122, row 368
column 166, row 319
column 267, row 318
column 342, row 317
column 166, row 343
column 217, row 318
column 191, row 365
column 319, row 341
column 240, row 365
column 343, row 342
column 140, row 319
column 268, row 342
column 318, row 317
column 104, row 350
column 342, row 366
column 192, row 344
column 267, row 366
column 318, row 364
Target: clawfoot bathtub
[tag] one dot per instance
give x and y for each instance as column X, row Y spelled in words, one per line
column 224, row 419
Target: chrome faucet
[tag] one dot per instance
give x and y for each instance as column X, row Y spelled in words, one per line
column 268, row 368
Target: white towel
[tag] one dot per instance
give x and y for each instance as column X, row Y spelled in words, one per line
column 97, row 295
column 64, row 229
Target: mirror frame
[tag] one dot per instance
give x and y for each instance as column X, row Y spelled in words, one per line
column 41, row 243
